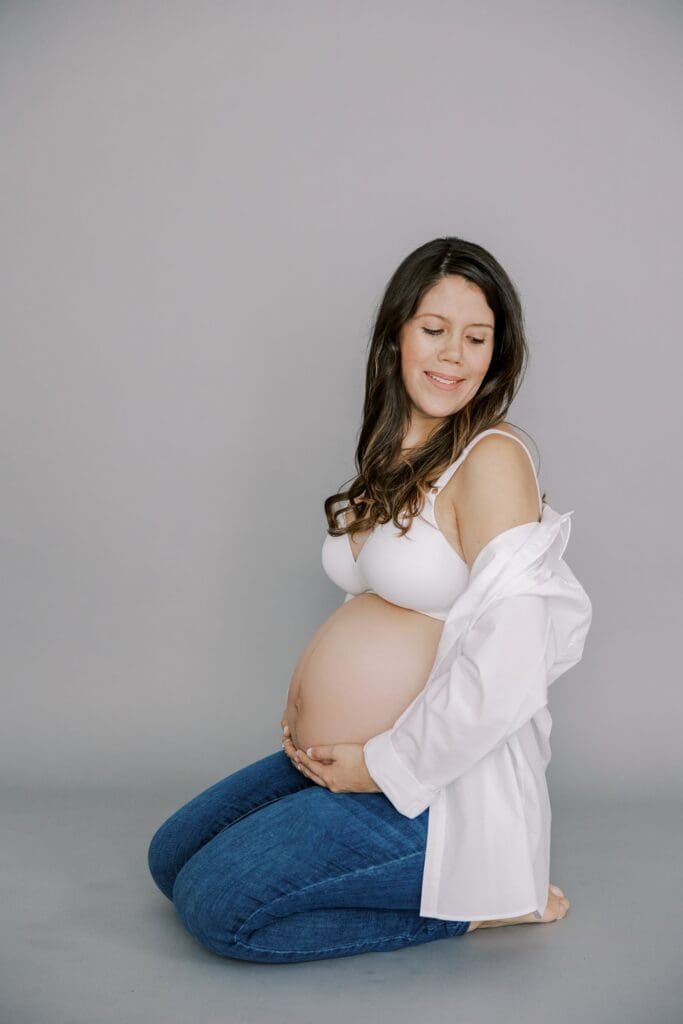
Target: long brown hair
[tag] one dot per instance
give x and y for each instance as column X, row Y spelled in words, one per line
column 387, row 482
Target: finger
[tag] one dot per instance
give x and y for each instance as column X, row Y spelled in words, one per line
column 316, row 760
column 312, row 766
column 289, row 748
column 290, row 751
column 320, row 752
column 311, row 775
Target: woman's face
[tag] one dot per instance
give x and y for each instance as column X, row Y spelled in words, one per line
column 451, row 335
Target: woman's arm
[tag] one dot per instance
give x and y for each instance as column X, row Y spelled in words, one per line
column 499, row 678
column 496, row 490
column 497, row 682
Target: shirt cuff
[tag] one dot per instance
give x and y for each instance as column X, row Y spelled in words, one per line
column 408, row 796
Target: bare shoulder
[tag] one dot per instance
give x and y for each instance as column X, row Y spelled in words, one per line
column 497, row 491
column 496, row 443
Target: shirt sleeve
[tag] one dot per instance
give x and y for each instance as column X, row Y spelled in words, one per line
column 483, row 694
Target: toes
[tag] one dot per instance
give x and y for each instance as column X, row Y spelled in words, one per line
column 562, row 904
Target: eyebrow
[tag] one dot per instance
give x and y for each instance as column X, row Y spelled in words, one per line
column 439, row 317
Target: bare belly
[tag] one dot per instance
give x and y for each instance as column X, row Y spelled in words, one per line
column 361, row 670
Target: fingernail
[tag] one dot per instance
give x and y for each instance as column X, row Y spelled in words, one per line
column 286, row 730
column 310, row 751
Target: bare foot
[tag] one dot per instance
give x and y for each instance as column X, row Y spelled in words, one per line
column 556, row 908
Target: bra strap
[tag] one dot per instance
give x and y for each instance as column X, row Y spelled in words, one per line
column 450, row 470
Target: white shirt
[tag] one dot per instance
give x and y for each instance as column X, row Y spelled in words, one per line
column 473, row 745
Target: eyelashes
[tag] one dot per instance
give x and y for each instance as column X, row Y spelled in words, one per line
column 432, row 334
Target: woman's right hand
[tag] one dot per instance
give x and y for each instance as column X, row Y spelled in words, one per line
column 288, row 744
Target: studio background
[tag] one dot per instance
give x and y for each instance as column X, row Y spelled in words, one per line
column 201, row 206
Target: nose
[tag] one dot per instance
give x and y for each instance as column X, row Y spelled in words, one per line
column 452, row 348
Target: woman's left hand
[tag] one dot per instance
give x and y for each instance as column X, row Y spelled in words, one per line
column 338, row 766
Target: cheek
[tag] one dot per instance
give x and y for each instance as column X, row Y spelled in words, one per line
column 414, row 352
column 482, row 361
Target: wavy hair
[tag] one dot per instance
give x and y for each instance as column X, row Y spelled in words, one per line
column 387, row 481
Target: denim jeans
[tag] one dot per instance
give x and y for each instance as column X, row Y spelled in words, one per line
column 267, row 865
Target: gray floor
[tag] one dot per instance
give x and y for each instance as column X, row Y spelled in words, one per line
column 86, row 936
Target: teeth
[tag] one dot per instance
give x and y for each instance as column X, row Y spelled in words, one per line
column 443, row 380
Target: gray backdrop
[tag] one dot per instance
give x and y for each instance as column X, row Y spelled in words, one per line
column 201, row 205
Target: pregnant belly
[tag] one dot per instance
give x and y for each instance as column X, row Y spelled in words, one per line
column 361, row 670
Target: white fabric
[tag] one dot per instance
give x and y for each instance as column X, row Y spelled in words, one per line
column 473, row 745
column 420, row 570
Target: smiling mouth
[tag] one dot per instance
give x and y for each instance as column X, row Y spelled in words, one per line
column 443, row 376
column 445, row 383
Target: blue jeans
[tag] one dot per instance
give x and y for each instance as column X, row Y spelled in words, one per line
column 267, row 865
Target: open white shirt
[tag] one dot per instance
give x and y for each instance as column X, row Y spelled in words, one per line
column 473, row 745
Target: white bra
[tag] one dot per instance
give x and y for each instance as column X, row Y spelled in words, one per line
column 421, row 570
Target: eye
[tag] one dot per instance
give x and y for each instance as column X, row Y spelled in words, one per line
column 432, row 334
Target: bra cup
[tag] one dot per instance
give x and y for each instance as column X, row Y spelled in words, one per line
column 339, row 565
column 419, row 571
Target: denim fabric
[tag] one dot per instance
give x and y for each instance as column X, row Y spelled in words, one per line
column 267, row 865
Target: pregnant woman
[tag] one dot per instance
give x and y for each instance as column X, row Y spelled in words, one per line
column 408, row 802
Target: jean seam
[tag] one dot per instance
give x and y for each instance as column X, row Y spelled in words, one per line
column 312, row 885
column 246, row 814
column 251, row 810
